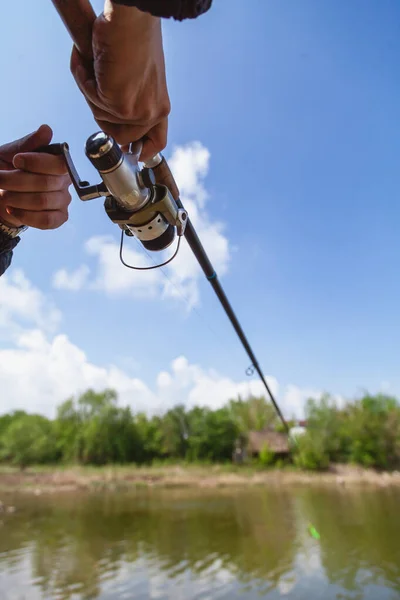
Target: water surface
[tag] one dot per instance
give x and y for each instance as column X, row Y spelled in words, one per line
column 199, row 545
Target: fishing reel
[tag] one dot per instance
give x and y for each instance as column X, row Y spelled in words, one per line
column 139, row 205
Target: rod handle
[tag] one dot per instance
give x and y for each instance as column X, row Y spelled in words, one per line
column 78, row 17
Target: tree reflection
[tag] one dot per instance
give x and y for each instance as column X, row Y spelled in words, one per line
column 75, row 544
column 359, row 535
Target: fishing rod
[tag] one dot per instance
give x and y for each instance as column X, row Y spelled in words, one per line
column 143, row 202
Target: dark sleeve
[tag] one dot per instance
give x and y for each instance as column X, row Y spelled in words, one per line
column 6, row 252
column 177, row 9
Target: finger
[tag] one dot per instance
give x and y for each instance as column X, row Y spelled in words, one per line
column 47, row 219
column 5, row 166
column 41, row 163
column 20, row 181
column 84, row 78
column 155, row 141
column 123, row 134
column 108, row 115
column 7, row 218
column 36, row 202
column 40, row 137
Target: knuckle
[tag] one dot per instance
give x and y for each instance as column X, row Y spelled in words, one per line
column 160, row 143
column 164, row 109
column 59, row 218
column 67, row 198
column 147, row 116
column 45, row 181
column 61, row 166
column 66, row 183
column 64, row 217
column 43, row 201
column 46, row 220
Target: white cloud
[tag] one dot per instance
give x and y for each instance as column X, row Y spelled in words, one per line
column 190, row 166
column 39, row 369
column 115, row 279
column 22, row 304
column 296, row 398
column 39, row 373
column 73, row 281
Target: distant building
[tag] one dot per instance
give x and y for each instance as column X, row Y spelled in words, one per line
column 296, row 431
column 256, row 440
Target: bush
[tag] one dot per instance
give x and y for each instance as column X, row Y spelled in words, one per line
column 266, row 456
column 29, row 440
column 310, row 453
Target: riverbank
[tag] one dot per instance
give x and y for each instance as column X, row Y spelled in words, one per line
column 68, row 479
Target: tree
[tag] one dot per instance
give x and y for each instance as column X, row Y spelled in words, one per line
column 324, row 425
column 5, row 422
column 29, row 440
column 149, row 438
column 175, row 432
column 253, row 414
column 212, row 434
column 266, row 456
column 94, row 430
column 67, row 427
column 310, row 453
column 373, row 428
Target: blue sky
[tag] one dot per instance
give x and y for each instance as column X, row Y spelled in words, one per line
column 297, row 104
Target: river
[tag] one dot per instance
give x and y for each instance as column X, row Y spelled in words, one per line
column 182, row 545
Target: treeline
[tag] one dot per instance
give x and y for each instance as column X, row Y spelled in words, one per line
column 364, row 432
column 93, row 429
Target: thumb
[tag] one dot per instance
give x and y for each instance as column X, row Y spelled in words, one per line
column 28, row 143
column 84, row 76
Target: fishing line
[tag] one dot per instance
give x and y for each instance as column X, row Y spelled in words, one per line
column 146, row 202
column 181, row 294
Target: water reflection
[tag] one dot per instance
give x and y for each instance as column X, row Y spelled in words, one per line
column 170, row 544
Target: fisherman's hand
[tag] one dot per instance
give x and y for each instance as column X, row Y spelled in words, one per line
column 126, row 89
column 33, row 186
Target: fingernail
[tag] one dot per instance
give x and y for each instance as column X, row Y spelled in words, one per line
column 9, row 210
column 19, row 162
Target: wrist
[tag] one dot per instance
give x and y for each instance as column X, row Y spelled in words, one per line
column 11, row 231
column 7, row 245
column 128, row 17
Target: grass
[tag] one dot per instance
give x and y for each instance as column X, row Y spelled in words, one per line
column 68, row 478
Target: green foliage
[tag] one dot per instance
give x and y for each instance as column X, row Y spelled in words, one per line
column 212, row 434
column 365, row 432
column 310, row 453
column 266, row 457
column 93, row 429
column 373, row 425
column 5, row 422
column 253, row 414
column 174, row 429
column 29, row 439
column 149, row 438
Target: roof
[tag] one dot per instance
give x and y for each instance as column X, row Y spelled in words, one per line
column 277, row 442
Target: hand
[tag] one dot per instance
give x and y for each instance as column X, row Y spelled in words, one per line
column 33, row 186
column 125, row 86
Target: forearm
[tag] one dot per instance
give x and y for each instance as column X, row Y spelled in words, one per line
column 6, row 251
column 175, row 9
